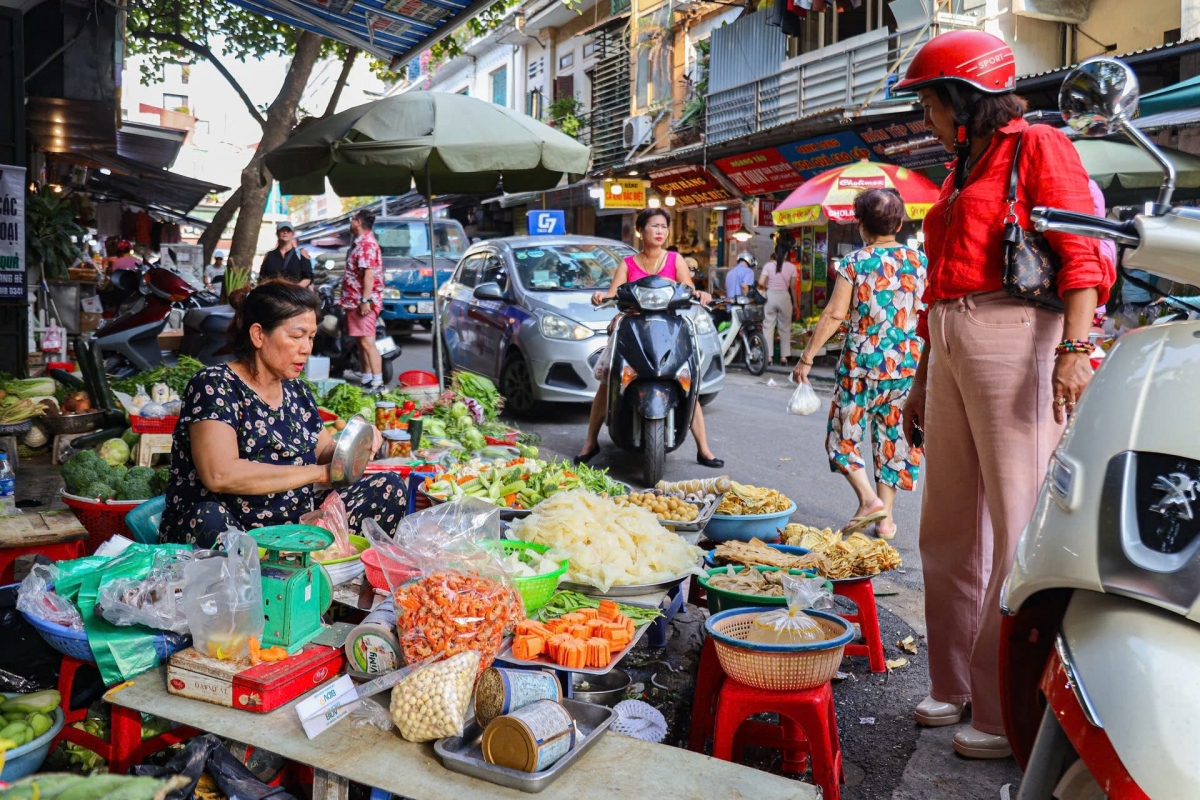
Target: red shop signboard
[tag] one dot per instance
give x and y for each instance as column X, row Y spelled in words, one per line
column 691, row 186
column 760, row 172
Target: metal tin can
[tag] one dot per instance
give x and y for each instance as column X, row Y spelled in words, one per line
column 385, row 415
column 501, row 691
column 530, row 739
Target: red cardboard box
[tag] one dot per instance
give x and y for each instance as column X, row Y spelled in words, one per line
column 261, row 688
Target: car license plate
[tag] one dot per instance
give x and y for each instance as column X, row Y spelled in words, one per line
column 385, row 346
column 425, row 308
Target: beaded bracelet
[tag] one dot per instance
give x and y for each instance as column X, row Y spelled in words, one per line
column 1073, row 346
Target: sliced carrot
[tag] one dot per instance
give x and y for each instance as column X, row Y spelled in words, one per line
column 533, row 626
column 255, row 657
column 528, row 647
column 608, row 610
column 555, row 643
column 589, row 613
column 599, row 652
column 510, row 500
column 580, row 631
column 574, row 618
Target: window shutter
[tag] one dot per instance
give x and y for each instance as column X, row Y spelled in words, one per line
column 564, row 86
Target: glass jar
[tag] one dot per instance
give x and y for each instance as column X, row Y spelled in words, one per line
column 399, row 444
column 386, row 416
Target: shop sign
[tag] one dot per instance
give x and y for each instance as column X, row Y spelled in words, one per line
column 917, row 210
column 803, row 215
column 765, row 207
column 633, row 194
column 760, row 172
column 550, row 222
column 691, row 186
column 906, row 143
column 814, row 156
column 733, row 221
column 12, row 232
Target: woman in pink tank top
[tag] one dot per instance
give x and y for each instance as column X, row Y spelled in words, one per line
column 654, row 226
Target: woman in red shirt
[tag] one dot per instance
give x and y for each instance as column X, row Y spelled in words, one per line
column 999, row 375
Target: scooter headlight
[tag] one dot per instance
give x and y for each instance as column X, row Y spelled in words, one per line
column 654, row 299
column 685, row 378
column 704, row 323
column 628, row 376
column 556, row 327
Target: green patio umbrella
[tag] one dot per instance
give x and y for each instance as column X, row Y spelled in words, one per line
column 445, row 143
column 1129, row 176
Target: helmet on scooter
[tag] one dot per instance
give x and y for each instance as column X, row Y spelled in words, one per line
column 749, row 258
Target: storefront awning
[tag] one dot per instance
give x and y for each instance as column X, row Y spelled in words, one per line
column 139, row 184
column 393, row 30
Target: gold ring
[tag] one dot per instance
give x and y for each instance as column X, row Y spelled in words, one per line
column 1060, row 401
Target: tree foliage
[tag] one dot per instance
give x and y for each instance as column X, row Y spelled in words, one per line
column 487, row 21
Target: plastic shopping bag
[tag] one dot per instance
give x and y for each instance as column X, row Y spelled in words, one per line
column 791, row 625
column 804, row 400
column 222, row 597
column 155, row 601
column 332, row 517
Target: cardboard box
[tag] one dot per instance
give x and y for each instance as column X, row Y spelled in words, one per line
column 89, row 321
column 236, row 684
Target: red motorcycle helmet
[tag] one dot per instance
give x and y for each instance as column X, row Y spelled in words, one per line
column 974, row 59
column 123, row 247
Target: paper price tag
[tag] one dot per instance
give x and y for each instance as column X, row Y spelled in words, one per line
column 324, row 707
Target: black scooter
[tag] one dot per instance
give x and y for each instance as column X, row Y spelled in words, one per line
column 342, row 349
column 654, row 378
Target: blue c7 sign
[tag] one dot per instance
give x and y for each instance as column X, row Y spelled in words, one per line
column 546, row 223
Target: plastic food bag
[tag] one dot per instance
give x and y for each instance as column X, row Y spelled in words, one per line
column 332, row 517
column 804, row 400
column 792, row 625
column 36, row 598
column 433, row 702
column 371, row 713
column 156, row 601
column 222, row 597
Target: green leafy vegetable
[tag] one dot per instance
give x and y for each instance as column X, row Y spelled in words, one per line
column 346, row 401
column 564, row 602
column 479, row 389
column 176, row 377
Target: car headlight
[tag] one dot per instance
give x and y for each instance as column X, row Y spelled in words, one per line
column 391, row 294
column 704, row 323
column 654, row 299
column 556, row 327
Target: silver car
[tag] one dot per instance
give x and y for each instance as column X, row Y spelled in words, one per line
column 518, row 310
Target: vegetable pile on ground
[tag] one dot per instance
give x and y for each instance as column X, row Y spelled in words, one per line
column 520, row 483
column 86, row 474
column 608, row 545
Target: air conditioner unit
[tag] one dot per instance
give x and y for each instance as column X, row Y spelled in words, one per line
column 637, row 130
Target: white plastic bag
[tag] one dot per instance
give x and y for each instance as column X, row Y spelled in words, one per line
column 791, row 625
column 804, row 400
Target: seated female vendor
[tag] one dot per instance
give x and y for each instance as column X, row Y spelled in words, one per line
column 250, row 443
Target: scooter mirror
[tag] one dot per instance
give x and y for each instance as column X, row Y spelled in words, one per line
column 1099, row 97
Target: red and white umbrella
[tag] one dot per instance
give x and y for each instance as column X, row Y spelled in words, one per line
column 829, row 197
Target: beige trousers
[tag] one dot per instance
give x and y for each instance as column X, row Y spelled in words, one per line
column 778, row 311
column 989, row 434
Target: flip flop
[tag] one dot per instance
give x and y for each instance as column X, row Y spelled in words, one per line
column 858, row 524
column 887, row 537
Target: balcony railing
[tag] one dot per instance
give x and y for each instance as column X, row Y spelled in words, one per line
column 840, row 75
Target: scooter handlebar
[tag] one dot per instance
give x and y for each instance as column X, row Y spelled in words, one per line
column 1055, row 219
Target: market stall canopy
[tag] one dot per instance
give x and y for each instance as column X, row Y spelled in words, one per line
column 393, row 31
column 830, row 195
column 464, row 145
column 1185, row 94
column 1127, row 175
column 140, row 184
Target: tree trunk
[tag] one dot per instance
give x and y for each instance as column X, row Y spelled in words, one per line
column 256, row 179
column 347, row 65
column 220, row 221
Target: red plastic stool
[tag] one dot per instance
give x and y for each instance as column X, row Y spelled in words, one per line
column 124, row 747
column 709, row 681
column 861, row 592
column 807, row 720
column 57, row 551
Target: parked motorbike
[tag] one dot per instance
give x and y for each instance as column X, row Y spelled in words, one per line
column 654, row 371
column 206, row 335
column 1100, row 637
column 743, row 338
column 342, row 349
column 129, row 340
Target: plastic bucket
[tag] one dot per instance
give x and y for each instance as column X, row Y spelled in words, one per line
column 416, row 377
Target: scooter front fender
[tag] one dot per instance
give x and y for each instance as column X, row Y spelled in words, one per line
column 654, row 399
column 1136, row 668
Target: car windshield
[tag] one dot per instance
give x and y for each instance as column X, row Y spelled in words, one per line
column 410, row 239
column 569, row 267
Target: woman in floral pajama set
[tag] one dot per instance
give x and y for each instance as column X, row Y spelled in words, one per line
column 878, row 290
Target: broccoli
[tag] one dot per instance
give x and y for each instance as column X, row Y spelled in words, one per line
column 158, row 484
column 134, row 490
column 139, row 473
column 98, row 490
column 82, row 469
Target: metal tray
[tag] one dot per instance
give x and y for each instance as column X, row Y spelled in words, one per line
column 696, row 525
column 463, row 754
column 631, row 590
column 506, row 656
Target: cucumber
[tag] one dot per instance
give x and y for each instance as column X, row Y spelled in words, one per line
column 40, row 723
column 41, row 787
column 44, row 701
column 18, row 732
column 93, row 788
column 510, row 488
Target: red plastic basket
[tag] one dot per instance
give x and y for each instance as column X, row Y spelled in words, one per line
column 378, row 570
column 103, row 520
column 155, row 425
column 65, row 366
column 416, row 377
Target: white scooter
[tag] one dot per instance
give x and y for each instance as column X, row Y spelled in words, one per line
column 743, row 337
column 1100, row 651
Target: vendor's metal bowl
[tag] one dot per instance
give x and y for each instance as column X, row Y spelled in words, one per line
column 602, row 690
column 353, row 451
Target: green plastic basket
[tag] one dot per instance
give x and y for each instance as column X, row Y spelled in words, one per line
column 723, row 599
column 535, row 591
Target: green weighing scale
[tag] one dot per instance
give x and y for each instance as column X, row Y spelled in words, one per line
column 296, row 590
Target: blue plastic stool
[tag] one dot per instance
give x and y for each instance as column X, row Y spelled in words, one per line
column 144, row 520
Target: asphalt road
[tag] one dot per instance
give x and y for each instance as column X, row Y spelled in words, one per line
column 888, row 757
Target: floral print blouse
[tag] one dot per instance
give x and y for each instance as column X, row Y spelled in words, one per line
column 882, row 343
column 284, row 435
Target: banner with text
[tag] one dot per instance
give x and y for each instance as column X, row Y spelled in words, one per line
column 906, row 143
column 760, row 172
column 12, row 232
column 814, row 156
column 690, row 185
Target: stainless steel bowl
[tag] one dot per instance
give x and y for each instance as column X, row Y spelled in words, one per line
column 603, row 690
column 353, row 451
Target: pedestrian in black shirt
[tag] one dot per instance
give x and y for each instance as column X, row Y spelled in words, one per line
column 286, row 260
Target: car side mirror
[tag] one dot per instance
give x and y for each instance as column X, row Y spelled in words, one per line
column 489, row 291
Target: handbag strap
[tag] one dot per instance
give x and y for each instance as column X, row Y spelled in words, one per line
column 1011, row 217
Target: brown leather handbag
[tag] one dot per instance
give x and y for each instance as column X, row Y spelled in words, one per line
column 1030, row 263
